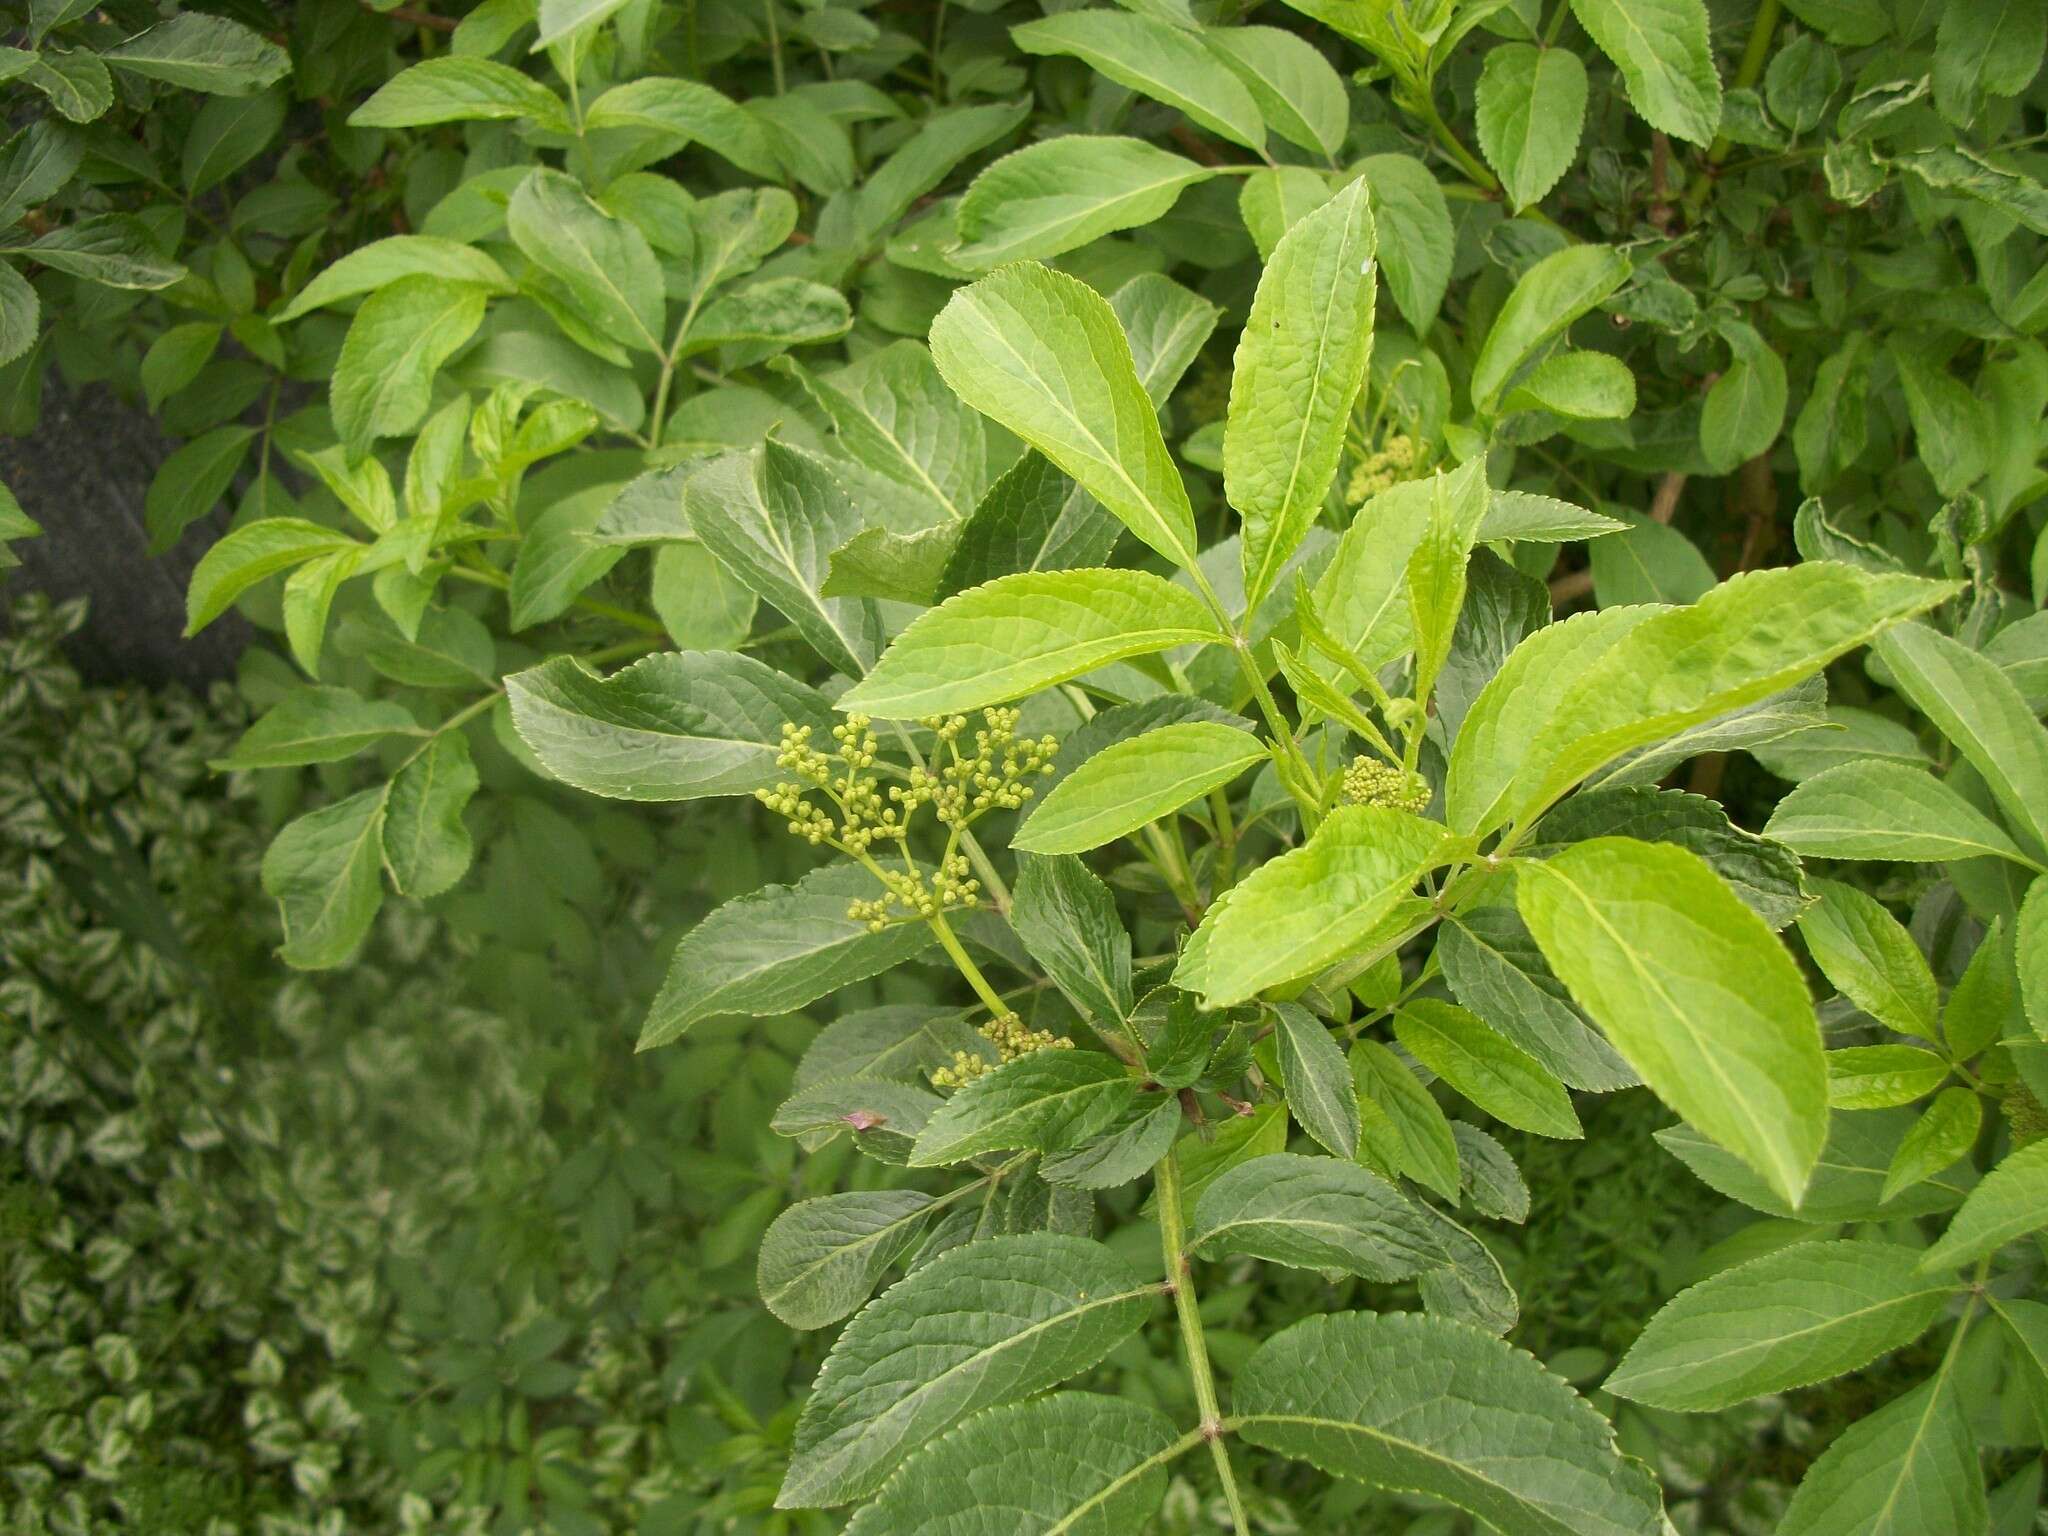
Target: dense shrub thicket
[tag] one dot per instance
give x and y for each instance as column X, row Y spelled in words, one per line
column 1309, row 620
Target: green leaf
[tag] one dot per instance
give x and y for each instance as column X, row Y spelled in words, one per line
column 1548, row 298
column 2010, row 1202
column 1155, row 58
column 1986, row 997
column 1984, row 48
column 1666, row 60
column 191, row 482
column 173, row 359
column 1789, row 1319
column 1908, row 1469
column 1060, row 194
column 1694, row 990
column 1745, row 409
column 1307, row 908
column 382, row 262
column 677, row 726
column 202, row 53
column 1300, row 96
column 1945, row 1131
column 894, row 1040
column 776, row 950
column 117, row 250
column 1541, row 519
column 1531, row 108
column 562, row 20
column 2030, row 948
column 774, row 312
column 1881, row 1076
column 1496, row 970
column 1847, row 1179
column 227, row 135
column 384, row 378
column 1871, row 959
column 1750, row 637
column 1067, row 921
column 602, row 266
column 773, row 516
column 1045, row 1101
column 456, row 89
column 317, row 725
column 1021, row 633
column 821, row 1258
column 75, row 82
column 692, row 112
column 985, row 1324
column 1437, row 569
column 1045, row 356
column 1950, row 427
column 1882, row 810
column 1135, row 781
column 1316, row 1079
column 1580, row 386
column 1479, row 1063
column 1417, row 241
column 1321, row 1213
column 20, row 310
column 1299, row 366
column 324, row 870
column 426, row 846
column 248, row 555
column 1363, row 1396
column 1129, row 1150
column 1389, row 1091
column 1072, row 1463
column 1973, row 703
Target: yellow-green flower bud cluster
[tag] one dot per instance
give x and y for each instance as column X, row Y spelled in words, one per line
column 863, row 817
column 1011, row 1040
column 907, row 896
column 1377, row 472
column 1207, row 399
column 1368, row 781
column 993, row 775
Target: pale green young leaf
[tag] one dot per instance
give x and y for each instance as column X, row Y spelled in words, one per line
column 317, row 725
column 1531, row 107
column 250, row 554
column 1044, row 1101
column 1298, row 369
column 455, row 89
column 1495, row 969
column 1548, row 298
column 1786, row 1320
column 562, row 21
column 400, row 337
column 1874, row 809
column 1363, row 1396
column 1417, row 241
column 985, row 1324
column 1057, row 195
column 1946, row 1130
column 1481, row 1064
column 1975, row 705
column 1045, row 356
column 1071, row 1463
column 1067, row 921
column 701, row 604
column 1273, row 201
column 676, row 726
column 1882, row 1076
column 1300, row 95
column 1437, row 570
column 1316, row 1079
column 773, row 516
column 1315, row 1213
column 1908, row 1469
column 2030, row 955
column 1135, row 781
column 426, row 846
column 2010, row 1202
column 1986, row 998
column 1666, row 60
column 1871, row 959
column 309, row 594
column 1428, row 1152
column 325, row 871
column 1752, row 636
column 1694, row 990
column 822, row 1258
column 774, row 951
column 1155, row 58
column 1541, row 519
column 1580, row 386
column 1362, row 594
column 1018, row 634
column 1306, row 909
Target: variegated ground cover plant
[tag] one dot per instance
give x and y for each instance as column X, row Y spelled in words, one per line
column 1128, row 576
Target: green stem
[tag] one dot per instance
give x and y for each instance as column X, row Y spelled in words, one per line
column 1226, row 841
column 964, row 963
column 1179, row 1275
column 774, row 44
column 1755, row 53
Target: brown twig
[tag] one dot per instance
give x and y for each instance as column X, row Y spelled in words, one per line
column 1664, row 505
column 412, row 18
